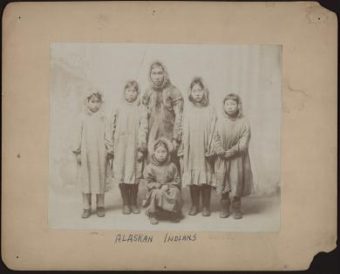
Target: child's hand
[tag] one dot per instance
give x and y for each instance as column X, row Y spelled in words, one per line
column 164, row 187
column 110, row 156
column 221, row 153
column 140, row 156
column 174, row 145
column 209, row 155
column 228, row 154
column 78, row 157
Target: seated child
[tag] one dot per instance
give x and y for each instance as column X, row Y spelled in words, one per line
column 163, row 184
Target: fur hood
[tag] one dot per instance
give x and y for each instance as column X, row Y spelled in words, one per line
column 166, row 81
column 169, row 147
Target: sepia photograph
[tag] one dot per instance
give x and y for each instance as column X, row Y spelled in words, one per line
column 165, row 137
column 193, row 135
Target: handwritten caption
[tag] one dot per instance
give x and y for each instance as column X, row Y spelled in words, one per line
column 146, row 238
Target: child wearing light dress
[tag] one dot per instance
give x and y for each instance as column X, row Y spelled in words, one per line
column 196, row 149
column 129, row 129
column 91, row 153
column 233, row 170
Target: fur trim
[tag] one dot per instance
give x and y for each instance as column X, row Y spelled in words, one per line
column 166, row 80
column 169, row 147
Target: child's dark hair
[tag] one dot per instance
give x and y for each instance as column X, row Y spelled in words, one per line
column 199, row 81
column 96, row 94
column 133, row 84
column 236, row 98
column 232, row 96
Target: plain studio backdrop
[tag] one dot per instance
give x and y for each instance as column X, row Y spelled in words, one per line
column 252, row 71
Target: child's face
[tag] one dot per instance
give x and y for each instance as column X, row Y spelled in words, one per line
column 230, row 107
column 157, row 75
column 131, row 94
column 161, row 154
column 197, row 93
column 94, row 104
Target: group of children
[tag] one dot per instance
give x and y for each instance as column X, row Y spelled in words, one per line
column 212, row 154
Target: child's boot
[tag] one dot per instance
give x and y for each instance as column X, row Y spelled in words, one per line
column 225, row 206
column 86, row 213
column 153, row 219
column 177, row 216
column 86, row 205
column 124, row 192
column 236, row 207
column 100, row 205
column 133, row 198
column 194, row 192
column 206, row 192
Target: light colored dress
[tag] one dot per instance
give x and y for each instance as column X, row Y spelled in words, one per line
column 129, row 129
column 233, row 174
column 91, row 145
column 196, row 148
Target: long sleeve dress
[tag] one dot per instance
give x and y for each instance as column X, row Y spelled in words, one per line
column 156, row 175
column 233, row 174
column 129, row 129
column 92, row 147
column 199, row 123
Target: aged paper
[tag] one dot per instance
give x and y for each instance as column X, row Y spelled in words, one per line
column 297, row 43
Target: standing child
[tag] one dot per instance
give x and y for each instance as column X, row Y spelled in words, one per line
column 129, row 128
column 199, row 121
column 233, row 170
column 163, row 184
column 91, row 153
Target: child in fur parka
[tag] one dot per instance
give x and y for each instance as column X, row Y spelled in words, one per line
column 163, row 184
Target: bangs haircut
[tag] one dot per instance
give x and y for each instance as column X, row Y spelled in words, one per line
column 232, row 96
column 96, row 94
column 132, row 84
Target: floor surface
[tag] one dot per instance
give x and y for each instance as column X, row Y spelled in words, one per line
column 65, row 207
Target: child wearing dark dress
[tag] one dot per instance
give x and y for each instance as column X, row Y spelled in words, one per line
column 163, row 184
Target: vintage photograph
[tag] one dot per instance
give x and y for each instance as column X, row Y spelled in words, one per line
column 172, row 137
column 193, row 135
